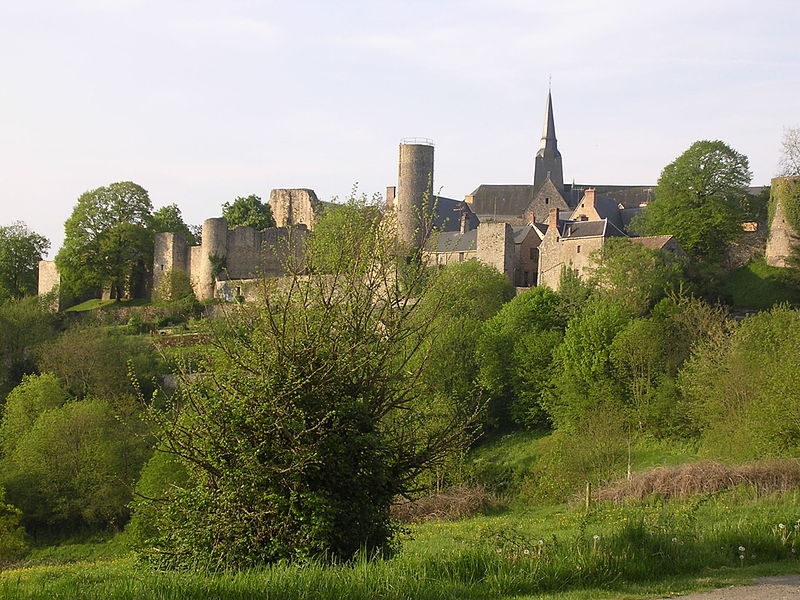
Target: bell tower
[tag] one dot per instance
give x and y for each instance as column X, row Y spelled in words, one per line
column 548, row 158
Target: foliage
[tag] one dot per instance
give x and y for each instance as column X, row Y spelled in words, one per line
column 13, row 542
column 35, row 395
column 515, row 355
column 745, row 387
column 24, row 325
column 73, row 466
column 174, row 285
column 630, row 274
column 787, row 192
column 92, row 361
column 583, row 378
column 698, row 199
column 789, row 163
column 338, row 231
column 248, row 211
column 20, row 252
column 170, row 220
column 305, row 424
column 108, row 240
column 574, row 293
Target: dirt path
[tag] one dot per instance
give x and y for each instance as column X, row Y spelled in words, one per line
column 785, row 587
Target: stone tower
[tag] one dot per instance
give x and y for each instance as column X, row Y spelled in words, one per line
column 783, row 237
column 213, row 249
column 414, row 197
column 548, row 158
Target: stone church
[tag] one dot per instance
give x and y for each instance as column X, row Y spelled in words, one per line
column 542, row 227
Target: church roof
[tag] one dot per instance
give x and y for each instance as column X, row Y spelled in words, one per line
column 549, row 129
column 505, row 200
column 630, row 196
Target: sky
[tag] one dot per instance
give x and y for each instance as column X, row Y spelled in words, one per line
column 202, row 101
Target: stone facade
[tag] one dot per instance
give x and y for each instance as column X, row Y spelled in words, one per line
column 228, row 255
column 298, row 206
column 49, row 281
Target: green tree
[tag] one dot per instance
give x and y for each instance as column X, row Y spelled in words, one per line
column 168, row 219
column 457, row 302
column 108, row 240
column 698, row 199
column 745, row 387
column 91, row 361
column 515, row 351
column 337, row 232
column 248, row 211
column 306, row 423
column 583, row 380
column 24, row 325
column 20, row 252
column 74, row 467
column 628, row 273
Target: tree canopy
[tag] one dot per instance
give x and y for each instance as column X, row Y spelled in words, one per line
column 248, row 211
column 698, row 199
column 20, row 252
column 108, row 240
column 169, row 219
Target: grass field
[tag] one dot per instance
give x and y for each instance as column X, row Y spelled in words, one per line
column 757, row 285
column 649, row 549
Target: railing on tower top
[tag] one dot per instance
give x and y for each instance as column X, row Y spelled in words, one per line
column 416, row 141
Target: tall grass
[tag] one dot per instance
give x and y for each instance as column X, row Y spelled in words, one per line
column 486, row 557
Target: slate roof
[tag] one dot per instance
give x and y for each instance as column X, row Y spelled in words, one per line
column 583, row 229
column 519, row 233
column 448, row 214
column 630, row 196
column 489, row 200
column 455, row 241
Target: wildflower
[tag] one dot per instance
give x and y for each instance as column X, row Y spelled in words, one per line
column 674, row 540
column 595, row 537
column 781, row 526
column 741, row 548
column 526, row 551
column 499, row 550
column 741, row 557
column 540, row 542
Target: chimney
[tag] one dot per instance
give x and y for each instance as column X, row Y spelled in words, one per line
column 589, row 197
column 464, row 225
column 390, row 193
column 532, row 217
column 552, row 219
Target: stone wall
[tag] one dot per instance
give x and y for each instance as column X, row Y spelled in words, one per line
column 496, row 247
column 49, row 281
column 298, row 206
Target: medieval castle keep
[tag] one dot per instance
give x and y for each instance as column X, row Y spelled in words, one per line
column 530, row 232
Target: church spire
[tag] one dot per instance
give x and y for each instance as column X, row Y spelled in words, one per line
column 548, row 158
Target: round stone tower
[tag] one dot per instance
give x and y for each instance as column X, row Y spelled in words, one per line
column 414, row 197
column 214, row 249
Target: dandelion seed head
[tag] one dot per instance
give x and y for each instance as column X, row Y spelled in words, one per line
column 595, row 537
column 781, row 526
column 540, row 542
column 674, row 540
column 742, row 548
column 741, row 556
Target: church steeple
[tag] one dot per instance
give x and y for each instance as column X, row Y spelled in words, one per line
column 548, row 158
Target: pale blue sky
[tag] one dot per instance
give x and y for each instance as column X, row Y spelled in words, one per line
column 201, row 101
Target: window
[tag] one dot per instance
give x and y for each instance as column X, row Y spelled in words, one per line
column 547, row 200
column 460, row 257
column 579, row 249
column 534, row 253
